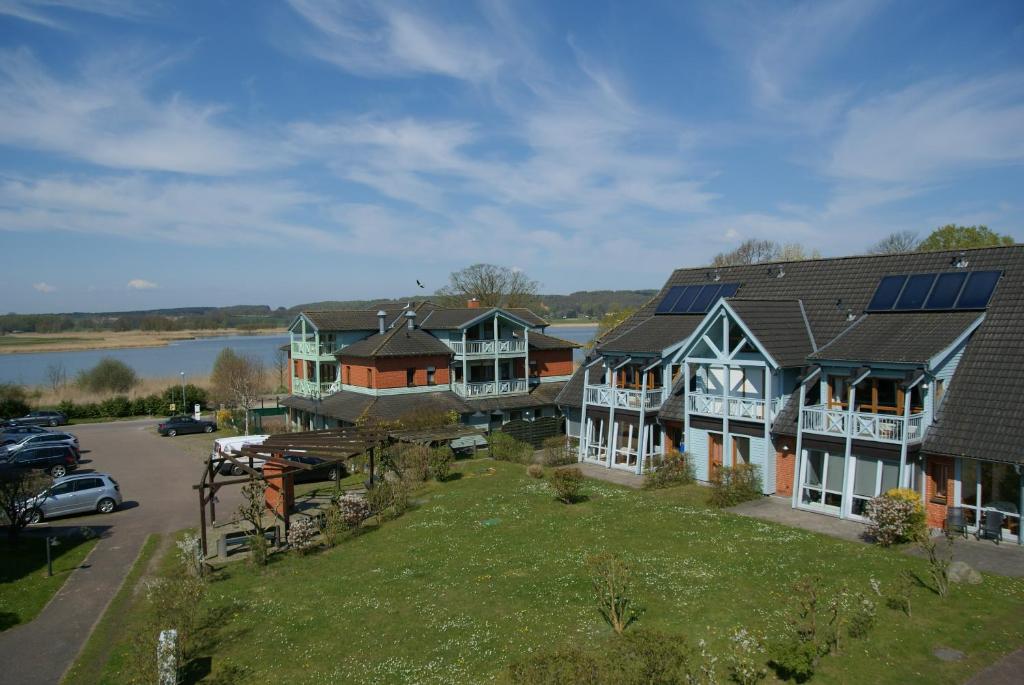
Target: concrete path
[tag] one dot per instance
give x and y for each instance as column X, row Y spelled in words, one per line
column 630, row 480
column 156, row 477
column 1007, row 671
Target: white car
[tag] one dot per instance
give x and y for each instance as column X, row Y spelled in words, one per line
column 232, row 447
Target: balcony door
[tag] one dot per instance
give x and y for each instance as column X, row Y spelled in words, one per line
column 822, row 482
column 871, row 478
column 715, row 451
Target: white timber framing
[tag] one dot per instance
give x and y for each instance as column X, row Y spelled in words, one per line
column 798, row 468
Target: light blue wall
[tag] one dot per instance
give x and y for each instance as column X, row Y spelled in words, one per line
column 945, row 371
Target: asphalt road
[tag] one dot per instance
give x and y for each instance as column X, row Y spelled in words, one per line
column 156, row 476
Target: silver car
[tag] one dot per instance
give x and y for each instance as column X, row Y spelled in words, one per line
column 37, row 439
column 81, row 493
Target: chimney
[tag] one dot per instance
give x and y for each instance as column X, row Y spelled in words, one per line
column 410, row 317
column 473, row 303
column 381, row 315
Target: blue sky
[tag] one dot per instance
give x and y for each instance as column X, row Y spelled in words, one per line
column 185, row 153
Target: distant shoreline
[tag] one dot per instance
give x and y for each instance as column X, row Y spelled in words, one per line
column 575, row 324
column 31, row 343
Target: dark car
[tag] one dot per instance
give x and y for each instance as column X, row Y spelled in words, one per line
column 179, row 425
column 35, row 439
column 57, row 460
column 40, row 418
column 322, row 469
column 14, row 433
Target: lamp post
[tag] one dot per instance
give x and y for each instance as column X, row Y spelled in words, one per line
column 50, row 542
column 184, row 409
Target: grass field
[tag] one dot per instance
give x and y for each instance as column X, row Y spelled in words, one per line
column 24, row 586
column 110, row 340
column 488, row 568
column 17, row 341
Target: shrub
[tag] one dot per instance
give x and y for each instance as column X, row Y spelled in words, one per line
column 744, row 658
column 506, row 448
column 732, row 485
column 798, row 651
column 938, row 561
column 412, row 461
column 109, row 375
column 566, row 482
column 190, row 555
column 118, row 406
column 535, row 471
column 13, row 401
column 557, row 452
column 353, row 510
column 388, row 498
column 675, row 469
column 441, row 459
column 894, row 518
column 611, row 580
column 898, row 594
column 302, row 535
column 172, row 395
column 570, row 664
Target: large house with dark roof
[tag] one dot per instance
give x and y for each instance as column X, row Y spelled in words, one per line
column 839, row 378
column 490, row 366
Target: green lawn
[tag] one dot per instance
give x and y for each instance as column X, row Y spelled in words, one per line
column 24, row 586
column 489, row 568
column 10, row 340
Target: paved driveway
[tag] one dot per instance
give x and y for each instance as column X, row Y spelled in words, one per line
column 156, row 477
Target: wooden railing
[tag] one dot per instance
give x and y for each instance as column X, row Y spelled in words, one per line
column 863, row 425
column 605, row 396
column 490, row 388
column 487, row 347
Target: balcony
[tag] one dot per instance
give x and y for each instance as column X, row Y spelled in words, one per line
column 472, row 391
column 310, row 348
column 487, row 348
column 621, row 398
column 742, row 408
column 863, row 425
column 313, row 389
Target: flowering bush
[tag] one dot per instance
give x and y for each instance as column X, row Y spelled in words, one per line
column 745, row 657
column 675, row 469
column 353, row 510
column 302, row 535
column 190, row 555
column 895, row 517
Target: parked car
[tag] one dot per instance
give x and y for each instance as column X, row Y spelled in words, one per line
column 56, row 459
column 179, row 425
column 13, row 433
column 36, row 439
column 230, row 447
column 322, row 469
column 81, row 493
column 40, row 418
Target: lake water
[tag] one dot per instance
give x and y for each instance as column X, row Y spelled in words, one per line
column 194, row 357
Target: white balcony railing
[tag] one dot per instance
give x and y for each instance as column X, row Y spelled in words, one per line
column 605, row 396
column 309, row 348
column 863, row 425
column 743, row 408
column 473, row 348
column 490, row 388
column 313, row 389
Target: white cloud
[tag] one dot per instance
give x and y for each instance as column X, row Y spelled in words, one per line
column 141, row 284
column 41, row 11
column 44, row 287
column 105, row 117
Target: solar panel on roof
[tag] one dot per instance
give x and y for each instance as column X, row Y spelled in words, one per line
column 728, row 290
column 945, row 290
column 978, row 290
column 686, row 299
column 886, row 294
column 915, row 292
column 702, row 302
column 670, row 299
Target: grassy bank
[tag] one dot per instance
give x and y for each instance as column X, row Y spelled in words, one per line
column 14, row 343
column 24, row 586
column 45, row 396
column 488, row 568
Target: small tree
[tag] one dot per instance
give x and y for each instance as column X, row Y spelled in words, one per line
column 281, row 360
column 611, row 580
column 251, row 511
column 56, row 376
column 238, row 378
column 109, row 375
column 939, row 560
column 15, row 486
column 566, row 483
column 953, row 237
column 13, row 401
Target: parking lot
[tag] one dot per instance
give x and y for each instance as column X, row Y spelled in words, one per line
column 156, row 476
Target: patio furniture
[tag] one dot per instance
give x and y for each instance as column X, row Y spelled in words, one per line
column 992, row 526
column 956, row 523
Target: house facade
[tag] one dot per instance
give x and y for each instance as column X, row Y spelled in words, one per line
column 488, row 365
column 838, row 378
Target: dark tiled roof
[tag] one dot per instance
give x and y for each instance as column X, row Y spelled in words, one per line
column 673, row 407
column 779, row 325
column 651, row 335
column 451, row 319
column 906, row 337
column 347, row 320
column 397, row 342
column 393, row 407
column 541, row 395
column 540, row 341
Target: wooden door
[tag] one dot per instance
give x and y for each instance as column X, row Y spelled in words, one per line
column 715, row 450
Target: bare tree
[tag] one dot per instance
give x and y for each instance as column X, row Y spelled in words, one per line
column 896, row 243
column 17, row 485
column 56, row 376
column 281, row 360
column 795, row 252
column 608, row 322
column 239, row 379
column 755, row 251
column 494, row 286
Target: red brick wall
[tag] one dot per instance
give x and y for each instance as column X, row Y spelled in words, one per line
column 670, row 433
column 282, row 494
column 300, row 368
column 936, row 511
column 785, row 466
column 390, row 372
column 551, row 362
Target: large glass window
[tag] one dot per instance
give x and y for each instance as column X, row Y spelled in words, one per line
column 990, row 487
column 871, row 478
column 740, row 451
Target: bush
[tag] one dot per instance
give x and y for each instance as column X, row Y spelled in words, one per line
column 412, row 461
column 745, row 658
column 506, row 448
column 570, row 664
column 172, row 395
column 895, row 518
column 557, row 452
column 118, row 406
column 13, row 401
column 732, row 485
column 675, row 469
column 611, row 580
column 566, row 482
column 109, row 375
column 441, row 459
column 354, row 510
column 302, row 535
column 535, row 471
column 388, row 499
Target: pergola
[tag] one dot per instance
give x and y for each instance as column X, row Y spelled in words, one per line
column 289, row 453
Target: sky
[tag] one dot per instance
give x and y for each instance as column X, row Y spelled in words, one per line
column 163, row 154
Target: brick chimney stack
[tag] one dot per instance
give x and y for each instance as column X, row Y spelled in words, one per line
column 473, row 303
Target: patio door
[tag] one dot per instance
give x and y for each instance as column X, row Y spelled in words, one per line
column 871, row 478
column 822, row 482
column 715, row 450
